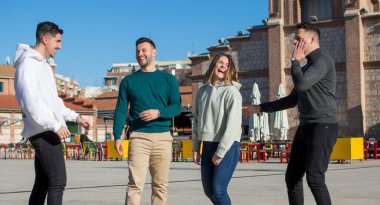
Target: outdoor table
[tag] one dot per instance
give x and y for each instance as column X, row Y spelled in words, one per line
column 282, row 148
column 256, row 146
column 73, row 146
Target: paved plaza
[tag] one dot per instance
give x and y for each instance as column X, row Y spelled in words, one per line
column 104, row 182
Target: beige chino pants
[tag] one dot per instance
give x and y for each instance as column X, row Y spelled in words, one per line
column 151, row 150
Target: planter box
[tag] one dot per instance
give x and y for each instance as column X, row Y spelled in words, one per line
column 111, row 151
column 187, row 152
column 348, row 149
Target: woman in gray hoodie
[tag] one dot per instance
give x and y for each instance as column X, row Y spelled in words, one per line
column 217, row 122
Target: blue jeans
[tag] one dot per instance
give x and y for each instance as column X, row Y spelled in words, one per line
column 49, row 165
column 215, row 179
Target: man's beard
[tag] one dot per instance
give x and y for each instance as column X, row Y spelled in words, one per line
column 148, row 62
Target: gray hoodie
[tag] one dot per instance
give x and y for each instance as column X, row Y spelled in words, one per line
column 217, row 116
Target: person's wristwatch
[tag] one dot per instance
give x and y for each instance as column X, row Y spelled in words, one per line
column 293, row 59
column 159, row 114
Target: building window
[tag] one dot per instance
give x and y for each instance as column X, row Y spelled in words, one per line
column 322, row 9
column 1, row 87
column 375, row 5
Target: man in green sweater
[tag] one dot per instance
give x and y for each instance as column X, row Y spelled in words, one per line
column 153, row 98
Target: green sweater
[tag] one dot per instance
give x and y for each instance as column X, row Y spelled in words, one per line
column 144, row 91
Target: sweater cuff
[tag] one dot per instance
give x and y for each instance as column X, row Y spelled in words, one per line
column 195, row 146
column 220, row 153
column 74, row 117
column 296, row 64
column 262, row 108
column 117, row 137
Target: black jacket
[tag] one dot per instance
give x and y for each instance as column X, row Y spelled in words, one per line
column 313, row 92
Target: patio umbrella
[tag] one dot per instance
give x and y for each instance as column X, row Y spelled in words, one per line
column 258, row 125
column 281, row 124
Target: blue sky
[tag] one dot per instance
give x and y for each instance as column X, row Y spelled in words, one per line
column 99, row 33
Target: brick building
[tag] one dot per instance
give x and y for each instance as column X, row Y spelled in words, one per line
column 7, row 73
column 350, row 34
column 11, row 124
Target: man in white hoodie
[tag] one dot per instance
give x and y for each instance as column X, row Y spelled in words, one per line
column 44, row 113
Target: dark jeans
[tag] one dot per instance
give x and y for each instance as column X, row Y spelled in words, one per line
column 49, row 165
column 310, row 153
column 215, row 179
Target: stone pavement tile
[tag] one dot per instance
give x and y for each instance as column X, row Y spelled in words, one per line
column 94, row 182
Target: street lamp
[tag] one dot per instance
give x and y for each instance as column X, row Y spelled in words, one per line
column 105, row 118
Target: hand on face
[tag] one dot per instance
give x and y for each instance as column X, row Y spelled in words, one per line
column 302, row 44
column 299, row 51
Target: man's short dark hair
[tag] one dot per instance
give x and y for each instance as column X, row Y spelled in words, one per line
column 144, row 39
column 309, row 27
column 46, row 27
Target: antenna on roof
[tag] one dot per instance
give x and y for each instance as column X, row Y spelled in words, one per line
column 222, row 41
column 7, row 60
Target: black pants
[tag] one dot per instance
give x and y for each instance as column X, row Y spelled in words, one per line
column 49, row 165
column 310, row 153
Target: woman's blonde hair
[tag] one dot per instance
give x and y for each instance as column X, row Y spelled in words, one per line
column 231, row 70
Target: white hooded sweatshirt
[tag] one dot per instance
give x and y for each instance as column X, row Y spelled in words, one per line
column 37, row 95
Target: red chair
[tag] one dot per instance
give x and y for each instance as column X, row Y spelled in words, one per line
column 101, row 151
column 23, row 151
column 3, row 154
column 286, row 152
column 244, row 152
column 370, row 147
column 261, row 153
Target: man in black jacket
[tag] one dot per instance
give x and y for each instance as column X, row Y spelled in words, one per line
column 314, row 93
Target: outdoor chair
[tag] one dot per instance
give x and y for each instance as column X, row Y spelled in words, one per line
column 89, row 150
column 262, row 154
column 371, row 147
column 244, row 152
column 3, row 151
column 101, row 151
column 72, row 150
column 24, row 151
column 268, row 149
column 285, row 153
column 11, row 150
column 176, row 151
